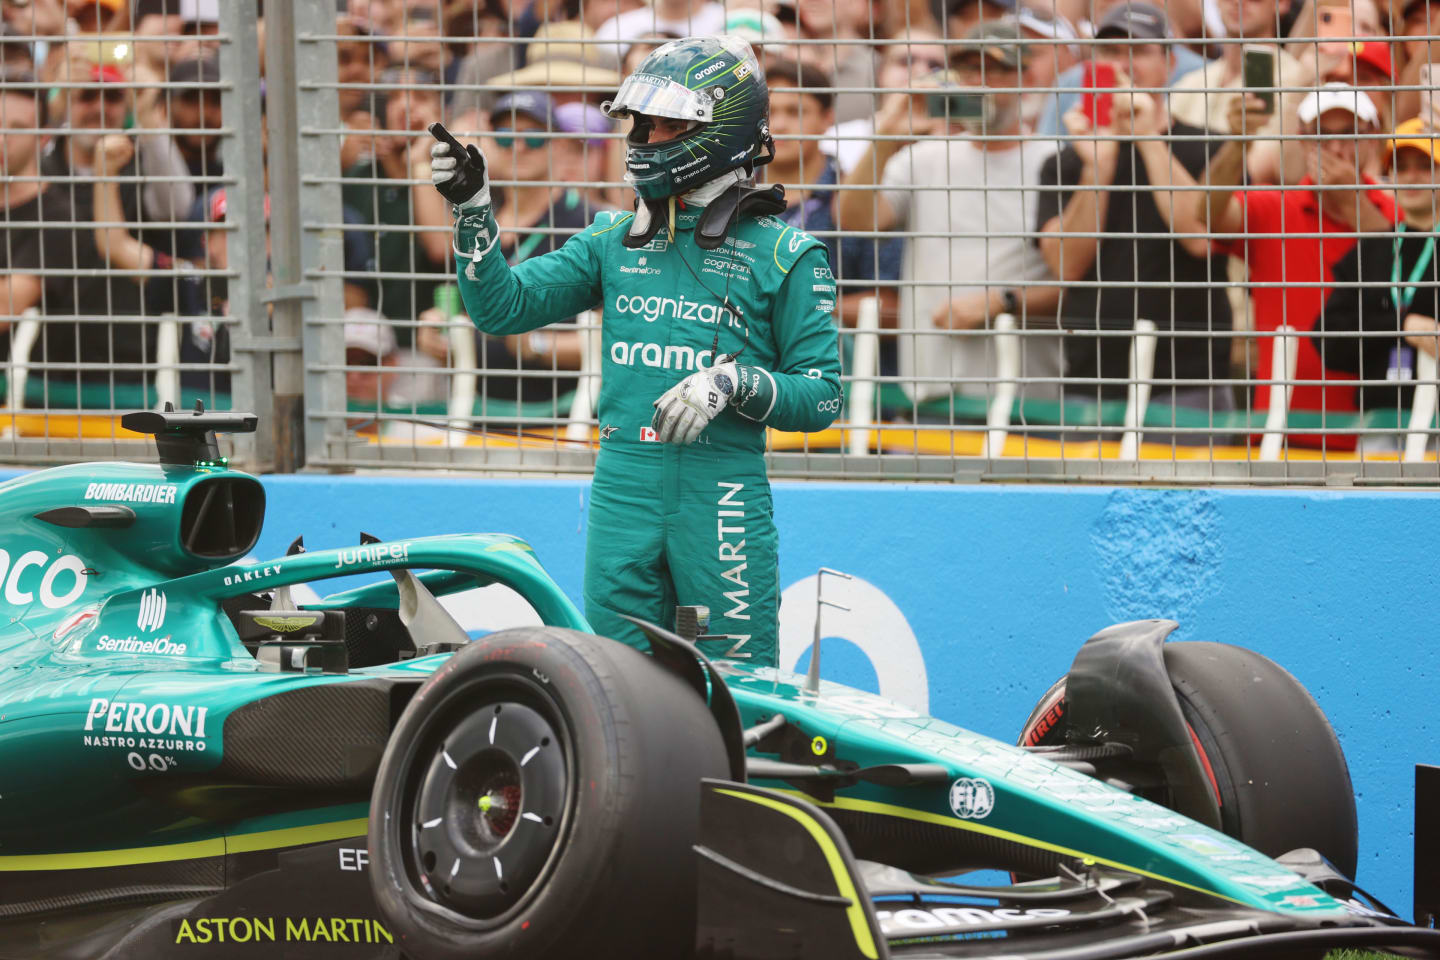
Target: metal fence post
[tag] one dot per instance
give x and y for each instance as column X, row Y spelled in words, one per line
column 315, row 150
column 243, row 157
column 288, row 291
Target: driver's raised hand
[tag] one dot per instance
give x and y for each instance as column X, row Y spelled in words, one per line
column 463, row 180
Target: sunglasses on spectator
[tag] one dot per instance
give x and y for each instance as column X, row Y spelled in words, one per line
column 505, row 143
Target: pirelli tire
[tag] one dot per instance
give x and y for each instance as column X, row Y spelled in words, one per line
column 539, row 798
column 1276, row 764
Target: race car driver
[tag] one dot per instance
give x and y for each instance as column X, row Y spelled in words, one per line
column 716, row 324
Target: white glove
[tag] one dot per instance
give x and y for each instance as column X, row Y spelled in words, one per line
column 687, row 408
column 464, row 181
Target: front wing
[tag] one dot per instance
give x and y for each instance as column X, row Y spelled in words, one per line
column 777, row 879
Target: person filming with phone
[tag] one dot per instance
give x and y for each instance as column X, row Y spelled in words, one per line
column 966, row 198
column 1106, row 232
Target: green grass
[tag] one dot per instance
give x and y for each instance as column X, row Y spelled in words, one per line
column 1359, row 955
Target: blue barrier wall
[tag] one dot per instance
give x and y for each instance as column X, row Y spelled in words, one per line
column 1000, row 586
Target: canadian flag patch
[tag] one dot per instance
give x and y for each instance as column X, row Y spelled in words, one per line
column 648, row 435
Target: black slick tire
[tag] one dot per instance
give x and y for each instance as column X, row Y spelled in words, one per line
column 626, row 744
column 1279, row 772
column 1272, row 757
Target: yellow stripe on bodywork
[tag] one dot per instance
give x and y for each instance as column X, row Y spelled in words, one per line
column 859, row 925
column 889, row 810
column 194, row 850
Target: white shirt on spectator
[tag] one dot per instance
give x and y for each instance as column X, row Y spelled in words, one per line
column 981, row 228
column 707, row 20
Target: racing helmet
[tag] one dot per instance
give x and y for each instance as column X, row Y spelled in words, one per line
column 715, row 83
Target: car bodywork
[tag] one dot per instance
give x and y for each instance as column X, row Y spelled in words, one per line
column 169, row 786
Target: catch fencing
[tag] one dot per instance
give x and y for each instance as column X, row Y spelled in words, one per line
column 1002, row 315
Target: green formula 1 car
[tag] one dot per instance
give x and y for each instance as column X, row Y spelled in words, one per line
column 194, row 765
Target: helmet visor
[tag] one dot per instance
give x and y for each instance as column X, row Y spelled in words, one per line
column 659, row 97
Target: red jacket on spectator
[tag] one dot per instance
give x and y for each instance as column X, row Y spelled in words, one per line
column 1280, row 268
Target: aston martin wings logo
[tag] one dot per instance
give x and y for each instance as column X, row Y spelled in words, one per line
column 282, row 624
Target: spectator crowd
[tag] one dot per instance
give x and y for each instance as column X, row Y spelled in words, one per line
column 1227, row 170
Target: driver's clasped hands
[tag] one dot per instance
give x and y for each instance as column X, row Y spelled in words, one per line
column 687, row 408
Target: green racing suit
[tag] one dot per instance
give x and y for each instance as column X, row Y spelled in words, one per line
column 671, row 524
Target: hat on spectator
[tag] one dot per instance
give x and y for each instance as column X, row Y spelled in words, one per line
column 1337, row 96
column 536, row 104
column 1138, row 21
column 1376, row 53
column 561, row 55
column 1046, row 23
column 583, row 118
column 1412, row 134
column 368, row 331
column 196, row 71
column 995, row 40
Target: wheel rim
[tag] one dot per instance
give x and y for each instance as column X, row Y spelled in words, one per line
column 488, row 806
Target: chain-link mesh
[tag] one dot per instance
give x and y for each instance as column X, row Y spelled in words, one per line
column 118, row 244
column 1071, row 240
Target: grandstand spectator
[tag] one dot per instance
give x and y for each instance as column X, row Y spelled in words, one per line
column 565, row 55
column 361, row 61
column 40, row 18
column 596, row 12
column 845, row 30
column 1046, row 60
column 956, row 18
column 96, row 16
column 1365, row 64
column 535, row 216
column 1202, row 97
column 1133, row 269
column 1389, row 284
column 797, row 118
column 196, row 293
column 418, row 46
column 1290, row 258
column 27, row 248
column 174, row 170
column 81, row 115
column 902, row 63
column 1131, row 19
column 17, row 52
column 1335, row 22
column 490, row 54
column 590, row 159
column 969, row 202
column 379, row 195
column 383, row 375
column 684, row 18
column 43, row 252
column 1420, row 19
